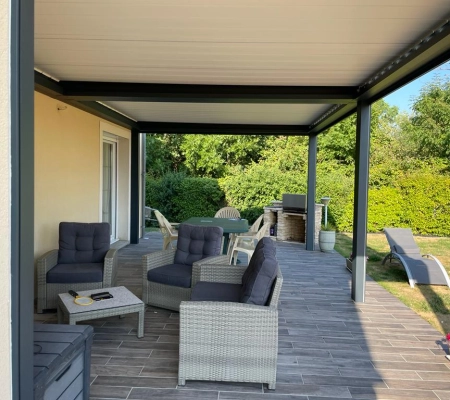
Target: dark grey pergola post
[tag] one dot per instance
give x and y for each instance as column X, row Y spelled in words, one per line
column 360, row 201
column 134, row 187
column 22, row 197
column 311, row 197
column 143, row 140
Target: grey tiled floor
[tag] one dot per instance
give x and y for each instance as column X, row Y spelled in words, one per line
column 329, row 347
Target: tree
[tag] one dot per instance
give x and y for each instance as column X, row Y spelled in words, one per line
column 163, row 154
column 286, row 153
column 338, row 142
column 430, row 123
column 212, row 155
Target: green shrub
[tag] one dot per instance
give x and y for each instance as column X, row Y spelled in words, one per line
column 385, row 209
column 161, row 192
column 420, row 201
column 251, row 190
column 426, row 203
column 198, row 197
column 180, row 197
column 339, row 187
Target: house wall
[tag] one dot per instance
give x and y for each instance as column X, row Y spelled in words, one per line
column 67, row 170
column 5, row 202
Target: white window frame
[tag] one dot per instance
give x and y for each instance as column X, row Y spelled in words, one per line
column 113, row 140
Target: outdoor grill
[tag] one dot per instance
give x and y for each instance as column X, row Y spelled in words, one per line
column 294, row 203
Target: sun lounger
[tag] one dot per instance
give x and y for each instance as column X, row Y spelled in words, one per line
column 421, row 268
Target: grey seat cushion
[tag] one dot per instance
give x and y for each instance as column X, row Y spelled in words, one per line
column 260, row 274
column 81, row 242
column 76, row 273
column 197, row 242
column 214, row 291
column 171, row 274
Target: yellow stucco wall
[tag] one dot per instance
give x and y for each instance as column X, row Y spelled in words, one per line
column 5, row 201
column 67, row 169
column 67, row 176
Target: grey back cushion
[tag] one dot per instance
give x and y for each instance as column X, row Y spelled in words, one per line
column 81, row 242
column 258, row 278
column 197, row 242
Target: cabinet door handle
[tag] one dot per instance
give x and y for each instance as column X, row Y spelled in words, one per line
column 63, row 373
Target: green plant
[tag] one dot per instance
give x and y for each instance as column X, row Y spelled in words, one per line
column 426, row 203
column 329, row 227
column 255, row 187
column 180, row 197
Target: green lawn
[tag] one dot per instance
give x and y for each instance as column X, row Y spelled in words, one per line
column 430, row 302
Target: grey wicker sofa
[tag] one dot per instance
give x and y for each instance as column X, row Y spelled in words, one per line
column 83, row 261
column 232, row 339
column 167, row 274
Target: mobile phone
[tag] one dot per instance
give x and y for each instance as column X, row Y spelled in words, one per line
column 101, row 296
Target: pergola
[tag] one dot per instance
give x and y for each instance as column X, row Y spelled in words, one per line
column 222, row 67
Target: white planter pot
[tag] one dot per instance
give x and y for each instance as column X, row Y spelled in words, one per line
column 327, row 239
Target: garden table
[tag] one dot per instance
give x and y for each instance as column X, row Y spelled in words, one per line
column 122, row 302
column 229, row 225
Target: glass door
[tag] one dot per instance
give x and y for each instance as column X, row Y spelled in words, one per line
column 109, row 186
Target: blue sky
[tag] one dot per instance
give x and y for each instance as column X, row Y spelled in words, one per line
column 403, row 97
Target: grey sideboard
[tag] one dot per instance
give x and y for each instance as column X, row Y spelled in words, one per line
column 62, row 359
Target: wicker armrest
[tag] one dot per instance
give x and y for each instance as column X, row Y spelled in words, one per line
column 157, row 259
column 46, row 262
column 110, row 268
column 222, row 259
column 217, row 273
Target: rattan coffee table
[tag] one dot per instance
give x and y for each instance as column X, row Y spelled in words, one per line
column 123, row 302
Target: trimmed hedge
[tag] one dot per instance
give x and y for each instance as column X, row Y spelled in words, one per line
column 420, row 201
column 251, row 190
column 180, row 197
column 385, row 210
column 337, row 186
column 426, row 203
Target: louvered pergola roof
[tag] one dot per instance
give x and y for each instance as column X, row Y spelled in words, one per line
column 234, row 66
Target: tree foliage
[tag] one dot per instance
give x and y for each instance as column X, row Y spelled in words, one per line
column 213, row 155
column 409, row 168
column 163, row 154
column 429, row 126
column 180, row 197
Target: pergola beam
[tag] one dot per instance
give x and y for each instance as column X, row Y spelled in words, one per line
column 222, row 129
column 186, row 93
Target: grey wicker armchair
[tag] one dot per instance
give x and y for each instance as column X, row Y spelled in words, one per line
column 83, row 261
column 228, row 340
column 167, row 274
